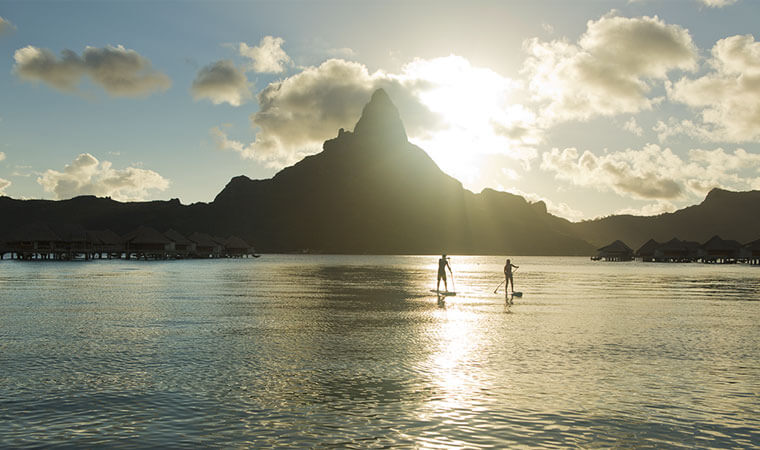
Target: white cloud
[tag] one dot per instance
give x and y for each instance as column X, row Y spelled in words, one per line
column 4, row 184
column 655, row 173
column 119, row 71
column 268, row 56
column 297, row 114
column 2, row 156
column 718, row 3
column 609, row 71
column 88, row 176
column 6, row 26
column 221, row 82
column 729, row 96
column 633, row 126
column 720, row 159
column 450, row 108
column 674, row 127
column 300, row 112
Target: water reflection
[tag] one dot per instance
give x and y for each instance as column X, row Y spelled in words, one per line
column 311, row 351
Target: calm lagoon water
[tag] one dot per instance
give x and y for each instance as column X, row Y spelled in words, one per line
column 355, row 351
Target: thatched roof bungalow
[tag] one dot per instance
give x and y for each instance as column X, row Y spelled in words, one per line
column 106, row 241
column 646, row 251
column 752, row 248
column 717, row 249
column 182, row 245
column 221, row 241
column 73, row 240
column 675, row 250
column 205, row 245
column 36, row 239
column 147, row 242
column 616, row 251
column 104, row 237
column 750, row 252
column 235, row 246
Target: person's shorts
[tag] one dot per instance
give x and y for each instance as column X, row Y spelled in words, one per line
column 442, row 274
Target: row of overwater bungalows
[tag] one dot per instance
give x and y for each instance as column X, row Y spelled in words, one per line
column 64, row 242
column 715, row 250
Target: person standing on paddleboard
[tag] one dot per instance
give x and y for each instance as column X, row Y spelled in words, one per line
column 508, row 276
column 443, row 263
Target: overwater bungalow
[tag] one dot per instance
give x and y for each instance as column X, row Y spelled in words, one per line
column 675, row 250
column 646, row 252
column 106, row 242
column 183, row 246
column 221, row 243
column 750, row 252
column 695, row 249
column 40, row 241
column 73, row 242
column 34, row 242
column 237, row 248
column 616, row 251
column 147, row 243
column 722, row 251
column 205, row 245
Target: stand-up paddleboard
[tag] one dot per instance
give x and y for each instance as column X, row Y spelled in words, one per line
column 443, row 293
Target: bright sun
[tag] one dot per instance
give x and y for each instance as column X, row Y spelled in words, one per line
column 478, row 118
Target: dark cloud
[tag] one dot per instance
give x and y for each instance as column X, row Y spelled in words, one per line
column 648, row 185
column 221, row 82
column 119, row 71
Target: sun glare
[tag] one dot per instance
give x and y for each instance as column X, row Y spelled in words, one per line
column 479, row 115
column 466, row 96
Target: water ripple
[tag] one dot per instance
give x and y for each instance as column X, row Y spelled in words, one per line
column 315, row 351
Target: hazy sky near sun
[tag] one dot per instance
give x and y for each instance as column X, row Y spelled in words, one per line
column 596, row 107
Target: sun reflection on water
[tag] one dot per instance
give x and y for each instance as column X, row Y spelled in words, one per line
column 453, row 361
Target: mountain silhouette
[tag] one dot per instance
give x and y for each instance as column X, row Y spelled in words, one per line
column 733, row 215
column 371, row 191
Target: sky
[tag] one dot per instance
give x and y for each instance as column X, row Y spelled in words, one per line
column 594, row 107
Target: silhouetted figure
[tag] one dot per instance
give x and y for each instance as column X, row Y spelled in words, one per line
column 443, row 263
column 508, row 276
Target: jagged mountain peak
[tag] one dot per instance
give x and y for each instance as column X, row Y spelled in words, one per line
column 380, row 120
column 716, row 194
